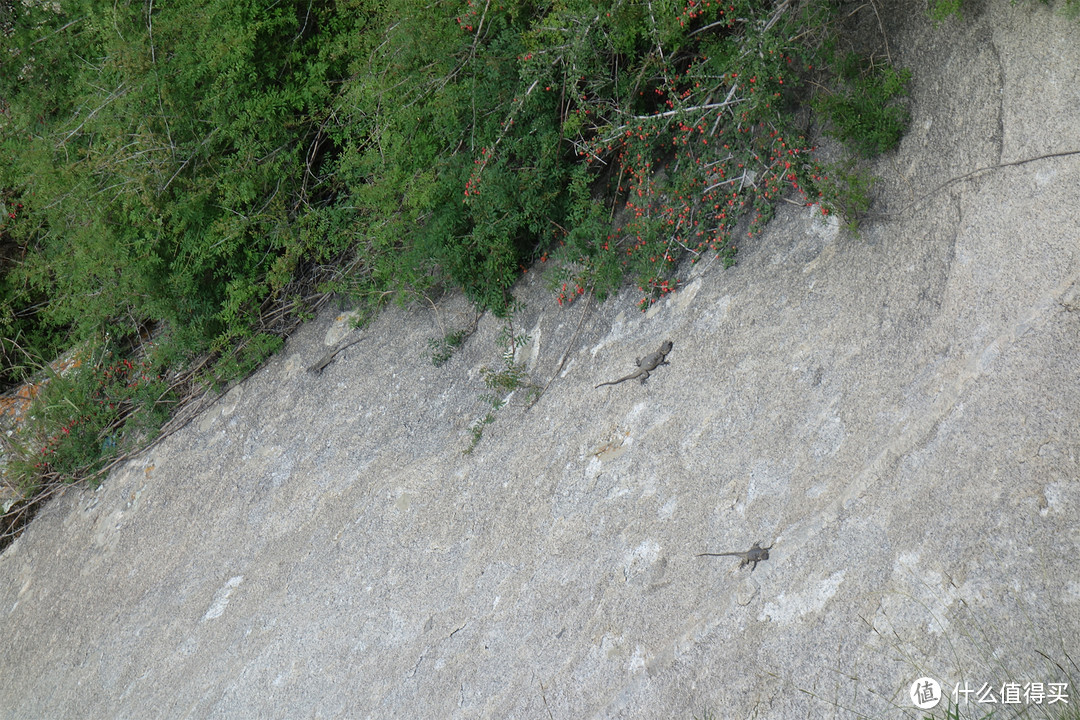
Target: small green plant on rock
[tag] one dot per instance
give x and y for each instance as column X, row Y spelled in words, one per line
column 504, row 381
column 863, row 109
column 442, row 349
column 513, row 375
column 942, row 10
column 477, row 431
column 845, row 189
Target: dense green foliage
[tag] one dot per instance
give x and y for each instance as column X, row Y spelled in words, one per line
column 199, row 167
column 162, row 162
column 861, row 111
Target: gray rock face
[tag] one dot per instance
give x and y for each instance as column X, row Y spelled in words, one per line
column 897, row 414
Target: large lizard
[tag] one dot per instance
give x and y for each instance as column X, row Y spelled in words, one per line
column 646, row 365
column 754, row 555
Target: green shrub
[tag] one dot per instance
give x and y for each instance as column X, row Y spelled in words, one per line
column 862, row 111
column 164, row 160
column 500, row 134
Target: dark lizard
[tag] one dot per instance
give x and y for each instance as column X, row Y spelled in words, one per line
column 329, row 357
column 646, row 365
column 751, row 557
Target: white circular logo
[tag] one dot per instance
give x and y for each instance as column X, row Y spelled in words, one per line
column 925, row 693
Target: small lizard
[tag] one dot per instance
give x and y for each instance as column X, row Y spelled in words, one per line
column 329, row 357
column 751, row 557
column 646, row 365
